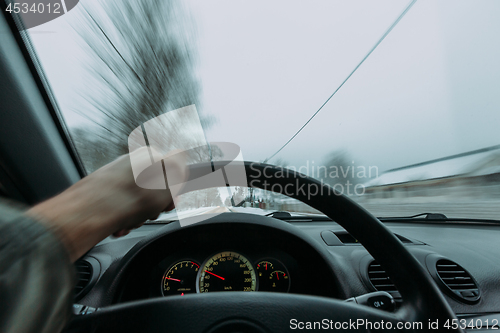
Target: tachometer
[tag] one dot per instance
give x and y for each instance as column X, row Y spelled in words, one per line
column 180, row 278
column 227, row 271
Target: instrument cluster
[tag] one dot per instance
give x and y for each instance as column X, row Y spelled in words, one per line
column 225, row 271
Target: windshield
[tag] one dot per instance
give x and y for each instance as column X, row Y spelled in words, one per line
column 393, row 105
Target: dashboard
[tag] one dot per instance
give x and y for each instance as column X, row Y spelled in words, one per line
column 223, row 257
column 246, row 252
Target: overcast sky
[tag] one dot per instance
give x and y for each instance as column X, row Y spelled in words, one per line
column 430, row 90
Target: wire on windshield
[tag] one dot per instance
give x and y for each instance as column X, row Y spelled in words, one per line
column 387, row 32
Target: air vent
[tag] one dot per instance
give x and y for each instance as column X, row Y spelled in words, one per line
column 84, row 276
column 87, row 273
column 380, row 280
column 457, row 280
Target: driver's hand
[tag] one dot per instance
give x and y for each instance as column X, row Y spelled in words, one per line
column 106, row 202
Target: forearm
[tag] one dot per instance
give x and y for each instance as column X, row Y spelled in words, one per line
column 37, row 277
column 104, row 203
column 81, row 218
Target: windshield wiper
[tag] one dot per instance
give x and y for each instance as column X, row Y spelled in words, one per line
column 160, row 221
column 428, row 216
column 437, row 218
column 287, row 216
column 420, row 218
column 279, row 214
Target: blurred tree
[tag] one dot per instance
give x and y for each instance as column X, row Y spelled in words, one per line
column 227, row 202
column 141, row 65
column 217, row 201
column 240, row 193
column 281, row 162
column 91, row 148
column 338, row 168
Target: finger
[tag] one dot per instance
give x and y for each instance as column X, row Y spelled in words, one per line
column 121, row 233
column 170, row 206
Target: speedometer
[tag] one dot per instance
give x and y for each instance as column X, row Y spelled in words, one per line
column 227, row 271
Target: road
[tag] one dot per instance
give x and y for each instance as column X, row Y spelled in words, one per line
column 481, row 210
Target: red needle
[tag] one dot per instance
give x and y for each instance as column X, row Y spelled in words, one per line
column 266, row 266
column 173, row 279
column 277, row 276
column 220, row 277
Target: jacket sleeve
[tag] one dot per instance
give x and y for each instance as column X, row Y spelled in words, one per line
column 36, row 275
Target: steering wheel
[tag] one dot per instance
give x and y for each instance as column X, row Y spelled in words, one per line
column 274, row 312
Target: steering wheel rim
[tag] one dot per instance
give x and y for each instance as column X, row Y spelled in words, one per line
column 423, row 302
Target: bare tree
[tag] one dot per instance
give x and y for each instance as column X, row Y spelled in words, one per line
column 141, row 61
column 338, row 168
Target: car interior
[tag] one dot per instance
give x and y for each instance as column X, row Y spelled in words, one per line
column 249, row 270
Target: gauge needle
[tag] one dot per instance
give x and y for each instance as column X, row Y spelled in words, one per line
column 220, row 277
column 173, row 279
column 277, row 276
